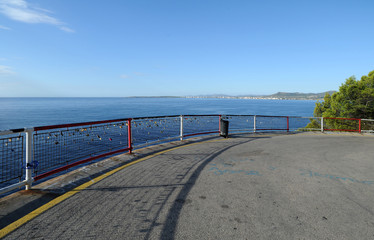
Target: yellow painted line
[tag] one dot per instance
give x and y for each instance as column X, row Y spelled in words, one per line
column 13, row 226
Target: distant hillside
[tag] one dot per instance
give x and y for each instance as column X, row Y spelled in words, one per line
column 154, row 97
column 278, row 95
column 297, row 95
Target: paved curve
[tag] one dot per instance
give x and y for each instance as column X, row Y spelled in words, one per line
column 299, row 186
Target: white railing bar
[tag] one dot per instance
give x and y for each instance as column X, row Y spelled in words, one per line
column 181, row 128
column 304, row 117
column 12, row 187
column 29, row 157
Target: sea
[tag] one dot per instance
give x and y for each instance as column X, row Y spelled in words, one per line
column 54, row 150
column 33, row 112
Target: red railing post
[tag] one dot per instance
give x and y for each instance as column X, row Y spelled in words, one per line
column 288, row 124
column 129, row 134
column 359, row 125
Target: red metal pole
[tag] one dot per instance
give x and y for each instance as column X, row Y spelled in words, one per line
column 359, row 125
column 129, row 134
column 288, row 124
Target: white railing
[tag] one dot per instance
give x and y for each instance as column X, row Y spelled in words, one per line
column 28, row 155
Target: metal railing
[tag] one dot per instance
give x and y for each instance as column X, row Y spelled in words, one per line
column 342, row 124
column 57, row 148
column 11, row 155
column 367, row 125
column 28, row 155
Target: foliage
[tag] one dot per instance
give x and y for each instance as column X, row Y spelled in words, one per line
column 355, row 99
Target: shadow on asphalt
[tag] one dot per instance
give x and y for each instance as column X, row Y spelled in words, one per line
column 46, row 196
column 169, row 228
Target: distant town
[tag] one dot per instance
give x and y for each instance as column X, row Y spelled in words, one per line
column 276, row 96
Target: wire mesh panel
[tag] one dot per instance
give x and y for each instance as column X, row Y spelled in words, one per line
column 304, row 124
column 58, row 147
column 270, row 123
column 11, row 157
column 199, row 124
column 367, row 125
column 341, row 124
column 148, row 130
column 240, row 123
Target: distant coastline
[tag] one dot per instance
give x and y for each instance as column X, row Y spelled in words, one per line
column 276, row 96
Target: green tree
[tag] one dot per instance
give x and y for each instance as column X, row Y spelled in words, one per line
column 355, row 99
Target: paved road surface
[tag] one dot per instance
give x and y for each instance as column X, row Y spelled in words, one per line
column 298, row 186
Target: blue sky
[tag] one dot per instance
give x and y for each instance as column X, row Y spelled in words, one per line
column 70, row 48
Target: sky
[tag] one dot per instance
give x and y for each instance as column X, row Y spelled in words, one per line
column 119, row 48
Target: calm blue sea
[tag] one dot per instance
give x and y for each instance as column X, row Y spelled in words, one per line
column 32, row 112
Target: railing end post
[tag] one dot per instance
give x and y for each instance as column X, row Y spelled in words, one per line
column 181, row 128
column 29, row 184
column 254, row 123
column 29, row 157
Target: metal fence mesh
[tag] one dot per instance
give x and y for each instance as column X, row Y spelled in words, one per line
column 200, row 124
column 267, row 123
column 244, row 123
column 303, row 124
column 367, row 125
column 54, row 148
column 11, row 157
column 148, row 130
column 64, row 145
column 341, row 124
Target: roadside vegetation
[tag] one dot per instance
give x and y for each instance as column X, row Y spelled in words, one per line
column 355, row 99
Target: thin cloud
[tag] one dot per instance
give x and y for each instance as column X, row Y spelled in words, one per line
column 20, row 10
column 66, row 29
column 4, row 28
column 124, row 76
column 6, row 70
column 43, row 10
column 139, row 73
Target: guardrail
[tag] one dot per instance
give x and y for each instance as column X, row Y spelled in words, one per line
column 28, row 155
column 342, row 124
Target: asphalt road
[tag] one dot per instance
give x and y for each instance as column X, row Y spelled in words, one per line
column 297, row 186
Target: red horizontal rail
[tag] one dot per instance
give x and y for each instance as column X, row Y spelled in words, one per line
column 77, row 124
column 357, row 119
column 346, row 130
column 36, row 178
column 194, row 134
